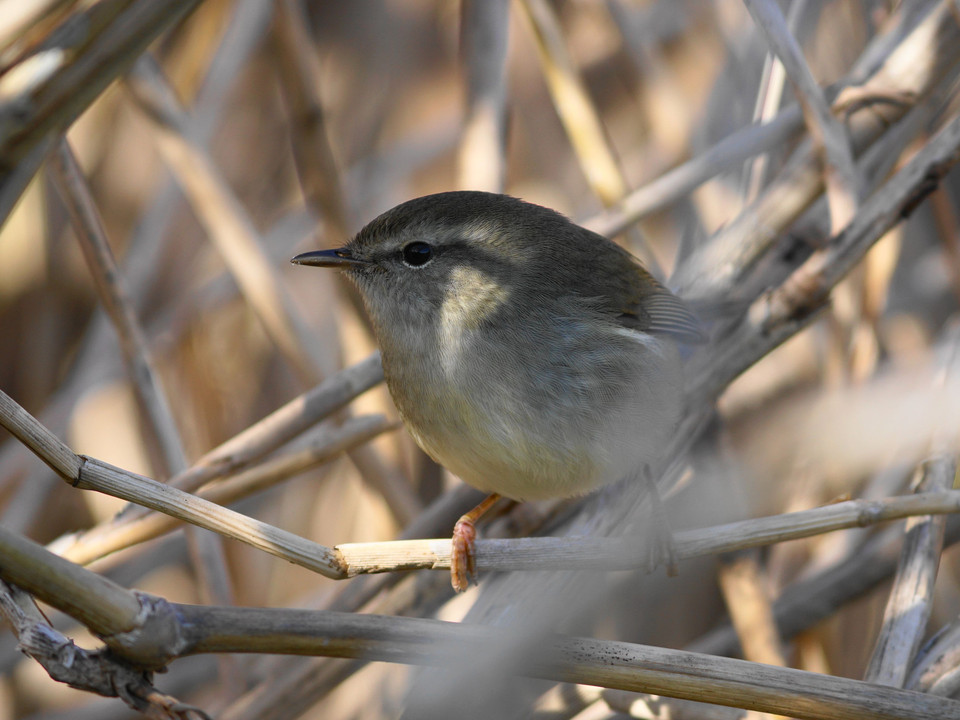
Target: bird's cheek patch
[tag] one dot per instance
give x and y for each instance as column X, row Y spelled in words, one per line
column 471, row 297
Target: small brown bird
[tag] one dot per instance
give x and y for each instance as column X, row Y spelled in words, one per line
column 530, row 356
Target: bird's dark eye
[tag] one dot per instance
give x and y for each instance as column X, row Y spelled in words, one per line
column 417, row 254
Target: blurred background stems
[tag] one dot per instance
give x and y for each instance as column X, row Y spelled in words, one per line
column 789, row 166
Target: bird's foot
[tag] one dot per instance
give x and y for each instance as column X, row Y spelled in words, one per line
column 463, row 563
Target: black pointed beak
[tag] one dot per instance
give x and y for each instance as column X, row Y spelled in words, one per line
column 337, row 258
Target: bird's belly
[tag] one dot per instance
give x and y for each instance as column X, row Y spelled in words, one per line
column 526, row 447
column 523, row 468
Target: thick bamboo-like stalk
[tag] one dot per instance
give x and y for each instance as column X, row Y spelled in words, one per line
column 580, row 660
column 99, row 603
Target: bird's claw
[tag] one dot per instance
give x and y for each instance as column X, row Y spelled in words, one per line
column 463, row 564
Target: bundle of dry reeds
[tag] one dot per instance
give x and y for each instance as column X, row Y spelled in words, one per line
column 785, row 167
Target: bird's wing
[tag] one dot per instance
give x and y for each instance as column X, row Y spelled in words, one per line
column 656, row 310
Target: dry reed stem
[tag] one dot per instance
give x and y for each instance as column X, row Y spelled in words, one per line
column 100, row 604
column 238, row 453
column 113, row 293
column 896, row 200
column 844, row 186
column 91, row 474
column 484, row 30
column 737, row 147
column 746, row 593
column 573, row 104
column 911, row 70
column 580, row 118
column 936, row 670
column 769, row 97
column 102, row 42
column 100, row 541
column 105, row 478
column 206, row 550
column 911, row 599
column 675, row 183
column 284, row 424
column 605, row 663
column 808, row 601
column 791, row 306
column 543, row 553
column 93, row 671
column 226, row 222
column 313, row 156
